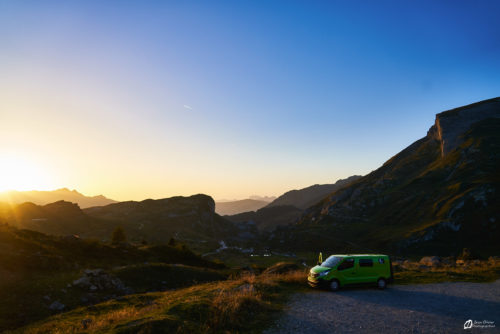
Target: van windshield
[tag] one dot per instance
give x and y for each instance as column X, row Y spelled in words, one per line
column 331, row 262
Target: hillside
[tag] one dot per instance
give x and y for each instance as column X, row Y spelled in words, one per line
column 46, row 197
column 268, row 218
column 306, row 197
column 41, row 275
column 235, row 207
column 287, row 208
column 437, row 196
column 192, row 219
column 59, row 218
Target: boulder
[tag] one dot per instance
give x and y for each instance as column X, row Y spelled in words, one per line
column 57, row 306
column 82, row 282
column 98, row 280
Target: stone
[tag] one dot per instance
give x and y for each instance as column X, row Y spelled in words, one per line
column 57, row 306
column 82, row 282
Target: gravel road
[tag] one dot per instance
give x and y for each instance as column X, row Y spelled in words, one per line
column 423, row 308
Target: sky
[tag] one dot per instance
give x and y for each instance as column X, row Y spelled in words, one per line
column 152, row 99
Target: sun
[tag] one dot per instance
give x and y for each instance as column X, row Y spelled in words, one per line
column 21, row 173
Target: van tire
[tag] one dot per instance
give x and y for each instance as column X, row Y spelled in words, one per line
column 334, row 285
column 381, row 283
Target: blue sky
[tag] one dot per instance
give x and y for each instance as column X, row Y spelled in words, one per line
column 142, row 99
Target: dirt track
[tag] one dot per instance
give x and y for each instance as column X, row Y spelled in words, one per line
column 426, row 308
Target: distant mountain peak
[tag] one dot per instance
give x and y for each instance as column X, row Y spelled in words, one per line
column 42, row 197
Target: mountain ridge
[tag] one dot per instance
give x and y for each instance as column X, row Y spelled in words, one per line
column 42, row 197
column 437, row 196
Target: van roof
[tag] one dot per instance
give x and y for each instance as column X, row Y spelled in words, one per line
column 360, row 255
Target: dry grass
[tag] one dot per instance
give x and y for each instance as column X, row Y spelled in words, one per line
column 245, row 304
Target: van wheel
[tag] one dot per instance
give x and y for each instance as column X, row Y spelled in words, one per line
column 381, row 283
column 334, row 285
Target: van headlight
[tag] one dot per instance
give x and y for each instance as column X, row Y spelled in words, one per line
column 324, row 273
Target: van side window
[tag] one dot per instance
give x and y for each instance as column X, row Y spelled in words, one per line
column 365, row 262
column 348, row 263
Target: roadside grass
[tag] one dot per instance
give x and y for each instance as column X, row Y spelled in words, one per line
column 246, row 304
column 474, row 271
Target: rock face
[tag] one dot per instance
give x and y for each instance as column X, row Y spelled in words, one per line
column 451, row 124
column 437, row 196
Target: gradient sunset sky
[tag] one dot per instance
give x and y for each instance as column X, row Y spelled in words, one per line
column 150, row 99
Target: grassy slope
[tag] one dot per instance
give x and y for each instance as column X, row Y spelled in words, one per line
column 242, row 305
column 34, row 265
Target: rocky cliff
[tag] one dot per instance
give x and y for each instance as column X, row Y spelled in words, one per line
column 451, row 124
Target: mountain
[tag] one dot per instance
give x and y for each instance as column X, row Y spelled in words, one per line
column 287, row 208
column 45, row 197
column 58, row 218
column 235, row 207
column 268, row 218
column 267, row 199
column 306, row 197
column 190, row 219
column 187, row 218
column 437, row 196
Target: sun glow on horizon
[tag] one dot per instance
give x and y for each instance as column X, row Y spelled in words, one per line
column 20, row 173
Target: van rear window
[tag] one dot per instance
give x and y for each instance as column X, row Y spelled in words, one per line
column 365, row 263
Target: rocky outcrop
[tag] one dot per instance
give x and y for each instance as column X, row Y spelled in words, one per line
column 451, row 124
column 98, row 280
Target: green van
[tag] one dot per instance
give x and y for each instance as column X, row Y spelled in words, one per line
column 351, row 269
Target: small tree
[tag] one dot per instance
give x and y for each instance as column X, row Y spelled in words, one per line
column 118, row 236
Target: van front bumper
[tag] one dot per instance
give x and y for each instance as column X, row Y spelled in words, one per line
column 316, row 283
